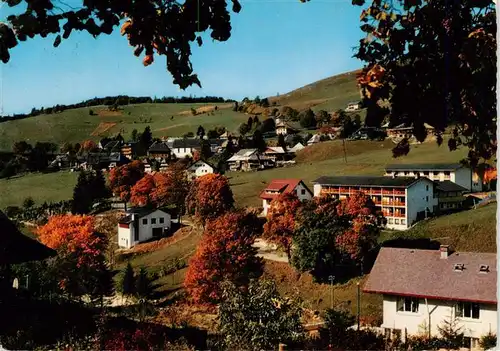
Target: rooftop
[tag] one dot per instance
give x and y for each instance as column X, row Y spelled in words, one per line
column 282, row 186
column 159, row 146
column 448, row 185
column 423, row 166
column 424, row 274
column 382, row 181
column 190, row 143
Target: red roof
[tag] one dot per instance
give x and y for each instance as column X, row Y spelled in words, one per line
column 424, row 274
column 282, row 186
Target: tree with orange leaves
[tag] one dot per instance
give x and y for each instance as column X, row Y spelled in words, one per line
column 224, row 253
column 209, row 196
column 281, row 221
column 88, row 146
column 141, row 192
column 123, row 178
column 81, row 263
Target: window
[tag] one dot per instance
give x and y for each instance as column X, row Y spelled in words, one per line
column 403, row 221
column 396, row 221
column 303, row 191
column 407, row 304
column 406, row 173
column 426, row 173
column 153, row 220
column 162, row 220
column 144, row 221
column 427, row 188
column 389, row 221
column 447, row 173
column 467, row 310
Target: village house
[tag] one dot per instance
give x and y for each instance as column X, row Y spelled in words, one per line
column 245, row 160
column 129, row 150
column 283, row 128
column 199, row 168
column 296, row 148
column 454, row 172
column 216, row 145
column 182, row 148
column 402, row 131
column 284, row 186
column 161, row 167
column 141, row 225
column 353, row 106
column 450, row 196
column 423, row 288
column 159, row 151
column 403, row 201
column 316, row 138
column 276, row 153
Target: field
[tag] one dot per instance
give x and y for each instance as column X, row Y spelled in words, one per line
column 41, row 187
column 77, row 125
column 363, row 158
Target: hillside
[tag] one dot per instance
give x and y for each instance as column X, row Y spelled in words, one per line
column 76, row 125
column 328, row 94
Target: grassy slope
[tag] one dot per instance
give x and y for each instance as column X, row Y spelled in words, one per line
column 328, row 94
column 77, row 125
column 363, row 158
column 41, row 187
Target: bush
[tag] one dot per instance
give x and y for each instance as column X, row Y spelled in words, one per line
column 488, row 341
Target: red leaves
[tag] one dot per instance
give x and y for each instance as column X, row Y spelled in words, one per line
column 281, row 220
column 89, row 145
column 160, row 189
column 123, row 178
column 141, row 192
column 209, row 196
column 225, row 252
column 70, row 234
column 364, row 225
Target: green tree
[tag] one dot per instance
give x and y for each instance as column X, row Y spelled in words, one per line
column 250, row 123
column 264, row 102
column 134, row 135
column 243, row 129
column 90, row 187
column 452, row 333
column 322, row 117
column 257, row 100
column 21, row 147
column 281, row 141
column 200, row 132
column 146, row 139
column 268, row 125
column 258, row 318
column 289, row 113
column 28, row 202
column 143, row 284
column 206, row 150
column 258, row 141
column 307, row 119
column 425, row 60
column 127, row 281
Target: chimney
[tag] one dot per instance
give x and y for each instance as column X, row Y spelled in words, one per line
column 445, row 251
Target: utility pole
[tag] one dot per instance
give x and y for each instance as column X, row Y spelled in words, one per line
column 345, row 153
column 331, row 278
column 359, row 307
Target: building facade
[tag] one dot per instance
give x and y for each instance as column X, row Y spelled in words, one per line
column 284, row 186
column 159, row 150
column 141, row 225
column 199, row 169
column 403, row 201
column 182, row 148
column 423, row 289
column 453, row 172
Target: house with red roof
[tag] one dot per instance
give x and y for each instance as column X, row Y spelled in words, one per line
column 423, row 288
column 284, row 186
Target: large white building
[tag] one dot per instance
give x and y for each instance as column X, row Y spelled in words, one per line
column 284, row 186
column 454, row 172
column 141, row 225
column 403, row 201
column 182, row 148
column 423, row 288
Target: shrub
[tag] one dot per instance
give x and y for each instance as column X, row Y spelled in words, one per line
column 488, row 341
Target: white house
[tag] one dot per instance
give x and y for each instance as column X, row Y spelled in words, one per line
column 142, row 224
column 403, row 201
column 246, row 160
column 316, row 138
column 199, row 168
column 353, row 106
column 284, row 186
column 296, row 148
column 283, row 128
column 423, row 288
column 454, row 172
column 185, row 147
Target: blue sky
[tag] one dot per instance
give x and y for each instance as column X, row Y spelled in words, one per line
column 275, row 47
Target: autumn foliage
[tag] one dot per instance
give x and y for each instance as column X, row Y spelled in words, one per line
column 80, row 251
column 281, row 221
column 224, row 253
column 161, row 188
column 209, row 196
column 88, row 145
column 123, row 178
